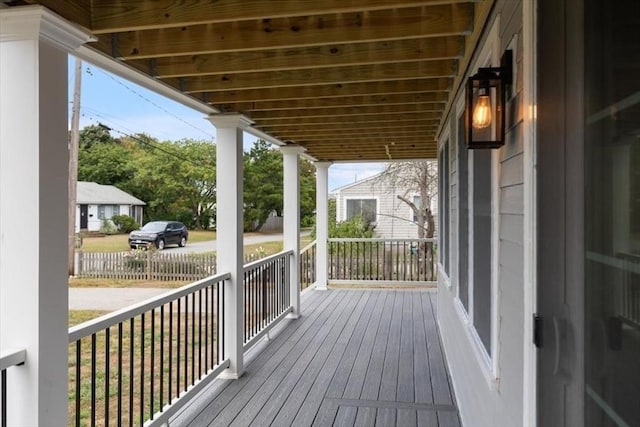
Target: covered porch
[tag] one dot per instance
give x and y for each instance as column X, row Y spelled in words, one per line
column 356, row 357
column 331, row 81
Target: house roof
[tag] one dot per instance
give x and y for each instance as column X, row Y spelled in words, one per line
column 355, row 183
column 94, row 193
column 356, row 80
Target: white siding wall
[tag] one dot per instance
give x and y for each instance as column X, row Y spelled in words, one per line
column 490, row 393
column 394, row 219
column 93, row 222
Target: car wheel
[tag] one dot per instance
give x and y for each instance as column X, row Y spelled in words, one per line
column 183, row 242
column 160, row 244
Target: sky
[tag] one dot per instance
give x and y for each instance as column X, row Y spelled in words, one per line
column 128, row 108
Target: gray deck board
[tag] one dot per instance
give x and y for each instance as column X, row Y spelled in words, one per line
column 304, row 370
column 353, row 389
column 309, row 392
column 356, row 357
column 439, row 380
column 388, row 388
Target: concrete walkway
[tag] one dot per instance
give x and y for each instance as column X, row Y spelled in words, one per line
column 109, row 299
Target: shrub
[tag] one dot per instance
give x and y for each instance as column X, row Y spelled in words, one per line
column 108, row 227
column 124, row 223
column 136, row 260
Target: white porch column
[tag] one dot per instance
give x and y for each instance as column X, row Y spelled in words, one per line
column 322, row 223
column 291, row 212
column 33, row 209
column 229, row 226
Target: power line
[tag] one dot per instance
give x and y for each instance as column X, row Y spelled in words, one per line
column 121, row 83
column 153, row 146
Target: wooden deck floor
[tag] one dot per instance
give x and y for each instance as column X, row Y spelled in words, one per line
column 355, row 357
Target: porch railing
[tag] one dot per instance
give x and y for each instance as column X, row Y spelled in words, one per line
column 143, row 362
column 8, row 359
column 382, row 260
column 266, row 295
column 308, row 265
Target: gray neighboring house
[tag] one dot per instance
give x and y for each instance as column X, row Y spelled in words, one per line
column 96, row 202
column 375, row 198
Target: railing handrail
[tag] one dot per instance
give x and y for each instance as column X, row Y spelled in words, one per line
column 255, row 264
column 98, row 324
column 377, row 239
column 309, row 246
column 12, row 357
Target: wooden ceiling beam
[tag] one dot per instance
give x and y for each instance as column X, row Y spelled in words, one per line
column 399, row 144
column 365, row 139
column 321, row 136
column 417, row 85
column 331, row 128
column 348, row 101
column 304, row 113
column 117, row 15
column 372, row 119
column 77, row 11
column 325, row 76
column 326, row 56
column 304, row 30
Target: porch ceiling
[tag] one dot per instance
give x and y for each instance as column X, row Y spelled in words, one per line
column 349, row 80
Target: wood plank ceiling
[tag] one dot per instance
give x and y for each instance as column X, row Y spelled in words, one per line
column 349, row 80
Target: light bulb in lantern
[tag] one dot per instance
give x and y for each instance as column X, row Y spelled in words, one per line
column 482, row 110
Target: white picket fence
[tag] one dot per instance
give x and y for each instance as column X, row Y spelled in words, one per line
column 148, row 265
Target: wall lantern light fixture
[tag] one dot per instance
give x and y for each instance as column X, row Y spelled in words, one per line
column 485, row 104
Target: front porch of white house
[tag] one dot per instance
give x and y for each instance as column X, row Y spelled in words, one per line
column 538, row 266
column 356, row 357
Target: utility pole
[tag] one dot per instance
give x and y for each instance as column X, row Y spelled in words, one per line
column 73, row 164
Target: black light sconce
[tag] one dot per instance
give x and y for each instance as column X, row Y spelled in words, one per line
column 485, row 106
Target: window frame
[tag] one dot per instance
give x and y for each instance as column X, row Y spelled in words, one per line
column 358, row 197
column 489, row 55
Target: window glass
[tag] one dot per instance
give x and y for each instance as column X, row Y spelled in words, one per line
column 443, row 213
column 418, row 203
column 612, row 213
column 463, row 216
column 481, row 245
column 367, row 208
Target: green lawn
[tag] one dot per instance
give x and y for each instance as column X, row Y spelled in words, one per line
column 119, row 242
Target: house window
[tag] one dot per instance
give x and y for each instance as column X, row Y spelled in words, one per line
column 367, row 208
column 480, row 243
column 443, row 211
column 463, row 215
column 418, row 203
column 107, row 211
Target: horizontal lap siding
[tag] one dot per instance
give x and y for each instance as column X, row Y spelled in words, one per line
column 481, row 400
column 394, row 216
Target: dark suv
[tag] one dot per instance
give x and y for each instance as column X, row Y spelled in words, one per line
column 159, row 234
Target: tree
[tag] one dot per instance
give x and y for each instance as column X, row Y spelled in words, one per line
column 416, row 177
column 307, row 193
column 263, row 178
column 177, row 180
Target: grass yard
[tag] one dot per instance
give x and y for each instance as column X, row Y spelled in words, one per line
column 130, row 366
column 120, row 242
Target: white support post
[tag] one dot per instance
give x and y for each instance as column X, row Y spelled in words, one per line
column 34, row 44
column 229, row 226
column 322, row 223
column 291, row 212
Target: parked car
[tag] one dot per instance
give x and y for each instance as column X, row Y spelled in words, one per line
column 159, row 234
